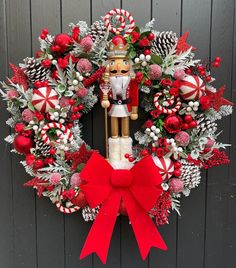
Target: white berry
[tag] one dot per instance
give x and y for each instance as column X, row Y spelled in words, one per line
column 75, row 82
column 136, row 60
column 54, row 62
column 191, row 103
column 152, row 134
column 50, row 57
column 142, row 57
column 144, row 63
column 189, row 109
column 148, row 130
column 153, row 128
column 195, row 108
column 155, row 138
column 52, row 117
column 157, row 131
column 196, row 103
column 56, row 114
column 62, row 120
column 148, row 57
column 81, row 78
column 35, row 127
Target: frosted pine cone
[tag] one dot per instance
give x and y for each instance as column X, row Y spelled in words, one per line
column 190, row 174
column 42, row 148
column 205, row 125
column 163, row 43
column 98, row 30
column 34, row 70
column 89, row 214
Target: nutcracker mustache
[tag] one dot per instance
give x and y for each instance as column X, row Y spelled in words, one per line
column 122, row 71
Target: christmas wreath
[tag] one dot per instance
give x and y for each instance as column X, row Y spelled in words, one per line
column 126, row 67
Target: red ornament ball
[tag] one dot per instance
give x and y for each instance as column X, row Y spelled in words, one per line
column 22, row 144
column 80, row 200
column 63, row 41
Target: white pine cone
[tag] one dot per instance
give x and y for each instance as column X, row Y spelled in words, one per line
column 205, row 125
column 190, row 174
column 163, row 43
column 97, row 30
column 42, row 148
column 89, row 214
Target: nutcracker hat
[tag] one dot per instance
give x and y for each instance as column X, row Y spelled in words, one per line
column 117, row 47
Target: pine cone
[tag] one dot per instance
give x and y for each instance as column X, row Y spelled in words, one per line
column 205, row 125
column 89, row 214
column 163, row 43
column 190, row 174
column 42, row 148
column 97, row 31
column 34, row 70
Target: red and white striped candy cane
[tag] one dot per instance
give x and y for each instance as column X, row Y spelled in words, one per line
column 121, row 14
column 66, row 131
column 170, row 102
column 66, row 210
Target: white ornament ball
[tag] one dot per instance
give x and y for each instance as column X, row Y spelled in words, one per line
column 192, row 87
column 165, row 166
column 44, row 99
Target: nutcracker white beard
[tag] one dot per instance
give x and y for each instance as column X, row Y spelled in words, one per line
column 119, row 85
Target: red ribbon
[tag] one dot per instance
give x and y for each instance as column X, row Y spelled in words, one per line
column 139, row 188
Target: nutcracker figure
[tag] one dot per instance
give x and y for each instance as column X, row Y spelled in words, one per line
column 119, row 93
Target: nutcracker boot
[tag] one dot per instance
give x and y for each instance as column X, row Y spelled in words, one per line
column 125, row 140
column 114, row 141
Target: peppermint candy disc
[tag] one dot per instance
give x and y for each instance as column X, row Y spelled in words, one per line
column 165, row 166
column 44, row 99
column 192, row 87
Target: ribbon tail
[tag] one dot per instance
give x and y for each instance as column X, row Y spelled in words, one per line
column 99, row 237
column 145, row 231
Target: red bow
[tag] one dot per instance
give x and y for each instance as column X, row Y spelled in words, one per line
column 139, row 188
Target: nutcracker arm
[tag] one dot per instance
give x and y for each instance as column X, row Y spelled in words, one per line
column 134, row 113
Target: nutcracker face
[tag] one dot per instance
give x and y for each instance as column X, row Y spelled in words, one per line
column 119, row 67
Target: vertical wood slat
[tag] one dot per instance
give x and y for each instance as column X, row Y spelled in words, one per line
column 99, row 8
column 191, row 226
column 50, row 223
column 167, row 19
column 141, row 10
column 19, row 46
column 76, row 229
column 220, row 190
column 6, row 219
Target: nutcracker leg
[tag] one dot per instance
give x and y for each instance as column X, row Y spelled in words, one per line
column 125, row 127
column 114, row 127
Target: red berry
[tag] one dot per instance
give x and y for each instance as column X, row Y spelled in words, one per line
column 218, row 59
column 185, row 126
column 188, row 118
column 81, row 107
column 69, row 125
column 177, row 172
column 216, row 64
column 73, row 117
column 71, row 102
column 38, row 164
column 50, row 160
column 153, row 149
column 188, row 71
column 177, row 165
column 193, row 124
column 126, row 155
column 43, row 36
column 144, row 152
column 200, row 68
column 208, row 78
column 203, row 73
column 131, row 159
column 75, row 109
column 147, row 52
column 45, row 31
column 52, row 151
column 46, row 63
column 151, row 36
column 78, row 116
column 38, row 84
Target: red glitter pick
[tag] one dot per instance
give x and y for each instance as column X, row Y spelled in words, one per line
column 216, row 98
column 19, row 76
column 182, row 45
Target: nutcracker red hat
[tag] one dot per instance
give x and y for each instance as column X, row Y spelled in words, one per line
column 117, row 47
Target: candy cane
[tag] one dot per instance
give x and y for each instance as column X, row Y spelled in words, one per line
column 121, row 14
column 170, row 102
column 59, row 126
column 66, row 210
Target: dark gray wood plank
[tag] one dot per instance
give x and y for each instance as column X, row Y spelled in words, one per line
column 220, row 190
column 76, row 229
column 130, row 256
column 6, row 219
column 191, row 226
column 167, row 19
column 100, row 8
column 19, row 46
column 50, row 223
